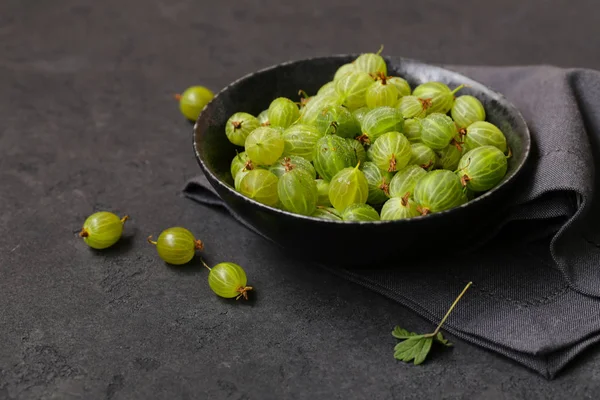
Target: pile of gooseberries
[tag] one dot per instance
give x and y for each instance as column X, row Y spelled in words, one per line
column 367, row 147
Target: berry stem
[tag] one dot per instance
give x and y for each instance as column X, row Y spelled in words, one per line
column 125, row 218
column 84, row 233
column 457, row 89
column 203, row 263
column 177, row 96
column 380, row 50
column 150, row 240
column 404, row 199
column 243, row 292
column 437, row 330
column 302, row 93
column 198, row 245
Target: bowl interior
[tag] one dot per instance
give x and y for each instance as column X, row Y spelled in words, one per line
column 254, row 92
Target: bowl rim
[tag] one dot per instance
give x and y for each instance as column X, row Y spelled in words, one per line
column 468, row 81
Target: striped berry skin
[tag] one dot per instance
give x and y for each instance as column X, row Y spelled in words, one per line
column 482, row 168
column 437, row 130
column 371, row 63
column 413, row 107
column 405, row 180
column 466, row 110
column 228, row 280
column 360, row 212
column 283, row 112
column 439, row 190
column 102, row 229
column 352, row 88
column 381, row 120
column 482, row 133
column 422, row 156
column 300, row 140
column 177, row 245
column 440, row 95
column 390, row 152
column 399, row 208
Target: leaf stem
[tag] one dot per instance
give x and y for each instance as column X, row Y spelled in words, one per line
column 437, row 330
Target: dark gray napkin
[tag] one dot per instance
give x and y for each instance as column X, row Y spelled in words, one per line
column 535, row 283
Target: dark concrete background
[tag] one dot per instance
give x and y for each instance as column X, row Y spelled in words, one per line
column 87, row 122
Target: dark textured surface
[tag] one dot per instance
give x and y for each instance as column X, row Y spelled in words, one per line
column 88, row 123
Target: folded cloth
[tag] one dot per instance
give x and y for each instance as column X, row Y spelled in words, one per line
column 536, row 283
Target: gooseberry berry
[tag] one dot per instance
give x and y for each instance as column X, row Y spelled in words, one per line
column 102, row 229
column 176, row 245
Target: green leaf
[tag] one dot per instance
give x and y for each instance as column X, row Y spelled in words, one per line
column 414, row 348
column 439, row 338
column 400, row 333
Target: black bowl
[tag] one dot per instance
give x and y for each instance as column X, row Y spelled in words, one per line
column 352, row 243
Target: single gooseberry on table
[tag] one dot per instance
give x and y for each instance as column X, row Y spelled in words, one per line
column 176, row 245
column 102, row 229
column 228, row 280
column 193, row 100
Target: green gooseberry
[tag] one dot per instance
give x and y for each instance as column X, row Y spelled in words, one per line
column 442, row 98
column 437, row 130
column 466, row 110
column 300, row 140
column 405, row 180
column 379, row 183
column 413, row 107
column 359, row 150
column 288, row 163
column 422, row 156
column 239, row 162
column 331, row 155
column 327, row 213
column 102, row 229
column 381, row 93
column 371, row 63
column 449, row 157
column 283, row 112
column 482, row 133
column 322, row 193
column 239, row 126
column 399, row 208
column 359, row 114
column 265, row 145
column 297, row 192
column 360, row 212
column 228, row 280
column 482, row 168
column 380, row 120
column 347, row 187
column 338, row 120
column 439, row 190
column 401, row 84
column 329, row 87
column 193, row 100
column 263, row 118
column 352, row 88
column 343, row 70
column 260, row 185
column 390, row 152
column 249, row 166
column 412, row 129
column 310, row 113
column 177, row 245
